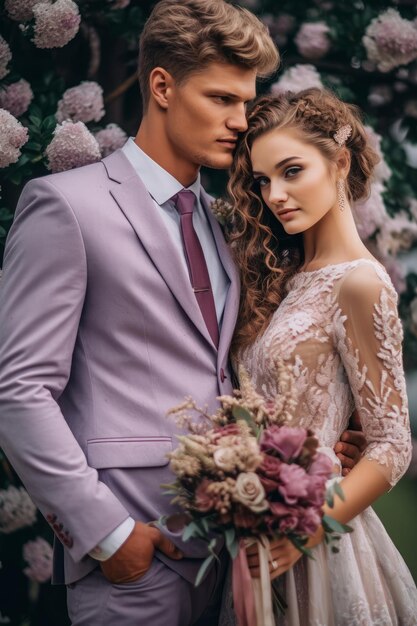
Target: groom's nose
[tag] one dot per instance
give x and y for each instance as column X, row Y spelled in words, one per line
column 237, row 120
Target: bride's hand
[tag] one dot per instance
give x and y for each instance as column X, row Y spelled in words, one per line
column 284, row 555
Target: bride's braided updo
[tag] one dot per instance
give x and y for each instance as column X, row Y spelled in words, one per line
column 265, row 254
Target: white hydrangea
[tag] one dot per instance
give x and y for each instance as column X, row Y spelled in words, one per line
column 55, row 24
column 16, row 97
column 83, row 103
column 72, row 146
column 297, row 78
column 110, row 139
column 16, row 509
column 390, row 41
column 12, row 137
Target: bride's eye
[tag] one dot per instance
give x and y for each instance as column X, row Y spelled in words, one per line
column 262, row 181
column 290, row 172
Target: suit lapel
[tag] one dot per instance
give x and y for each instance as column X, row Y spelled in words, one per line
column 133, row 199
column 232, row 300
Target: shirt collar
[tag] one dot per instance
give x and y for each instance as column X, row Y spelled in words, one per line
column 160, row 184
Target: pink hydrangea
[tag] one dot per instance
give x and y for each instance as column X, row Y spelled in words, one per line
column 72, row 146
column 38, row 555
column 20, row 10
column 83, row 103
column 119, row 4
column 5, row 57
column 279, row 26
column 370, row 214
column 382, row 172
column 110, row 139
column 390, row 41
column 297, row 78
column 16, row 509
column 12, row 137
column 16, row 97
column 379, row 95
column 312, row 40
column 55, row 24
column 397, row 234
column 396, row 271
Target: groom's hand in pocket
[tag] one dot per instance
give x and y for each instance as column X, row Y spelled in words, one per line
column 134, row 557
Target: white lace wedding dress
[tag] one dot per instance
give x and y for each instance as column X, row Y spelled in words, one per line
column 339, row 330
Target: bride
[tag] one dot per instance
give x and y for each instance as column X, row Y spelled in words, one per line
column 313, row 295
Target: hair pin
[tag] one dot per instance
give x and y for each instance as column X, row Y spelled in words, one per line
column 343, row 134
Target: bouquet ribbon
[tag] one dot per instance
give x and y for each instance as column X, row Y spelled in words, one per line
column 252, row 597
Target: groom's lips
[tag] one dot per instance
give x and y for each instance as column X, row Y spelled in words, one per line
column 229, row 142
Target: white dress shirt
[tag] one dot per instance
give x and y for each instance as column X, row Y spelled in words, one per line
column 162, row 187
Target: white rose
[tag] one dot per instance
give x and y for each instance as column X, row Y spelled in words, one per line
column 250, row 492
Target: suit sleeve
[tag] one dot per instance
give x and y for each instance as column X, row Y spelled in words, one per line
column 42, row 292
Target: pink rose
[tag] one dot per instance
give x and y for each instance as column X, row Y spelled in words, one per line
column 322, row 466
column 204, row 501
column 293, row 483
column 288, row 441
column 309, row 521
column 316, row 490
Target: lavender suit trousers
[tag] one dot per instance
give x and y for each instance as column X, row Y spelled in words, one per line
column 160, row 598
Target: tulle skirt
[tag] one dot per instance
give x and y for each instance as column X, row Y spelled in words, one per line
column 366, row 583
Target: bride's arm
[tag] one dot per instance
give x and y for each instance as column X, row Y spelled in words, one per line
column 368, row 337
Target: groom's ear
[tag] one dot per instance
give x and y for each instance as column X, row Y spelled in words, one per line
column 161, row 83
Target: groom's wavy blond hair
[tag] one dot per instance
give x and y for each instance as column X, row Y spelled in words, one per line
column 185, row 37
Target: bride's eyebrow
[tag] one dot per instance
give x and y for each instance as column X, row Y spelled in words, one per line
column 281, row 163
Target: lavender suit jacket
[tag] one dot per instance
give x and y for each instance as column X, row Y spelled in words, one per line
column 100, row 334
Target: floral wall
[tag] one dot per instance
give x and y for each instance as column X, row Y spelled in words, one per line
column 69, row 95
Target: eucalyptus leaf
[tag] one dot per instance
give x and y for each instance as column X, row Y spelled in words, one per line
column 203, row 569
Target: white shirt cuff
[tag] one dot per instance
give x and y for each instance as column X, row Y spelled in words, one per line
column 112, row 542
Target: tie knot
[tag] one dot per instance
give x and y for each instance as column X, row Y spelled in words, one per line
column 184, row 201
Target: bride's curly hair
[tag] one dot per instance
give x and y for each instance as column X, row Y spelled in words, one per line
column 265, row 255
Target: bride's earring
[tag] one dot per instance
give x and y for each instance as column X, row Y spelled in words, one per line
column 341, row 196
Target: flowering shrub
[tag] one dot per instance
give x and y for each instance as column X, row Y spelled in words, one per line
column 12, row 137
column 67, row 71
column 72, row 146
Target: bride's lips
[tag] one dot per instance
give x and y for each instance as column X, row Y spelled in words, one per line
column 286, row 214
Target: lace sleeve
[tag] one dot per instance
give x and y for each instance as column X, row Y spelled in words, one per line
column 369, row 336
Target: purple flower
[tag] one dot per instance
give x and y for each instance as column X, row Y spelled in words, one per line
column 16, row 97
column 110, row 139
column 5, row 57
column 55, row 24
column 72, row 146
column 83, row 103
column 287, row 441
column 12, row 137
column 38, row 555
column 312, row 40
column 297, row 78
column 294, row 483
column 20, row 10
column 321, row 466
column 309, row 521
column 390, row 41
column 16, row 509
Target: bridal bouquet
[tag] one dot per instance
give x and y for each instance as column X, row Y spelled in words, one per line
column 246, row 475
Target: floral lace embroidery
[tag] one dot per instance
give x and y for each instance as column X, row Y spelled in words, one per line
column 311, row 331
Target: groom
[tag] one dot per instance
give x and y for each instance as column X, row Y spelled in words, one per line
column 118, row 298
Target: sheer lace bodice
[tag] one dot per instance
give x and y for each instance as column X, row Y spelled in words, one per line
column 339, row 331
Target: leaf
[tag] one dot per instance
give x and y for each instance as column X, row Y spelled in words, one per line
column 338, row 489
column 239, row 413
column 203, row 569
column 231, row 542
column 332, row 525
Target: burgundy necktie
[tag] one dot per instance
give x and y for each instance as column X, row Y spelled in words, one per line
column 199, row 276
